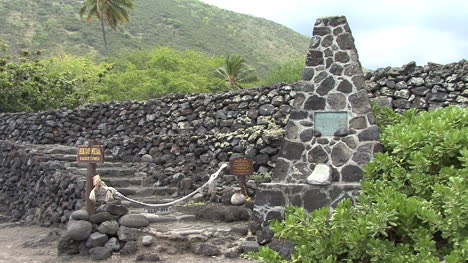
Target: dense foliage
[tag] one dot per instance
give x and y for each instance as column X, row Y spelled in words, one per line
column 142, row 75
column 412, row 206
column 56, row 27
column 290, row 71
column 32, row 84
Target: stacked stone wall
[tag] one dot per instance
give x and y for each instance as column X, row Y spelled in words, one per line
column 410, row 86
column 37, row 189
column 422, row 87
column 210, row 128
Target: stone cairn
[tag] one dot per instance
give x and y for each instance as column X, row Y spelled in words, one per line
column 110, row 230
column 331, row 132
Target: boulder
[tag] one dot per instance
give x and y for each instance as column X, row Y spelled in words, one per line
column 109, row 227
column 116, row 208
column 96, row 239
column 79, row 230
column 80, row 215
column 135, row 221
column 101, row 217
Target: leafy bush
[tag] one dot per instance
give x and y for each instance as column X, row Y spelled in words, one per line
column 33, row 84
column 147, row 74
column 412, row 206
column 289, row 71
column 86, row 75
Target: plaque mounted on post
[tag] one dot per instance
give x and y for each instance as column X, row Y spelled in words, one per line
column 90, row 154
column 241, row 167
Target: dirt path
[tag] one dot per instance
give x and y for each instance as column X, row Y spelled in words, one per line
column 20, row 244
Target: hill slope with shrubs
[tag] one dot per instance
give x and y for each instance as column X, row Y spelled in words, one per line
column 55, row 27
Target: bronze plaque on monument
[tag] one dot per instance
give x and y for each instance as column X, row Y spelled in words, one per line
column 90, row 154
column 241, row 167
column 329, row 122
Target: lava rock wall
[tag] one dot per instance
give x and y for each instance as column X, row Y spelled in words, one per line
column 37, row 188
column 422, row 87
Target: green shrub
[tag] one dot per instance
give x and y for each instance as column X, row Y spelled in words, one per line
column 287, row 72
column 147, row 74
column 412, row 206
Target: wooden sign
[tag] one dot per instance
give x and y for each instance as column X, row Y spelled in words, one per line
column 241, row 167
column 90, row 154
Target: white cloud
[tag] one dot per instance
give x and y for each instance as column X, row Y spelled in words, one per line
column 387, row 32
column 396, row 46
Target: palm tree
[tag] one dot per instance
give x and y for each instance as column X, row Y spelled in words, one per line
column 235, row 70
column 113, row 11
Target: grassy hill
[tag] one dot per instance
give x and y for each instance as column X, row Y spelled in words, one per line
column 55, row 27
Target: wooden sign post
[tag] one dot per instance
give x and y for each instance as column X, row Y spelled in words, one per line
column 242, row 168
column 90, row 154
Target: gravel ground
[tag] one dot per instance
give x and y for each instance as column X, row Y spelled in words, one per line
column 20, row 244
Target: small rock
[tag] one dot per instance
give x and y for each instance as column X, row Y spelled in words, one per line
column 147, row 158
column 127, row 234
column 249, row 246
column 68, row 246
column 129, row 248
column 135, row 221
column 100, row 253
column 233, row 252
column 320, row 176
column 113, row 244
column 242, row 230
column 148, row 257
column 80, row 215
column 264, row 235
column 341, row 132
column 147, row 241
column 96, row 240
column 208, row 250
column 284, row 248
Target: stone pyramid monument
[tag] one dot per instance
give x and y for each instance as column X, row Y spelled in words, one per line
column 331, row 132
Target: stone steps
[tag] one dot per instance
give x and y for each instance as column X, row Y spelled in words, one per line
column 112, row 171
column 122, row 181
column 135, row 208
column 184, row 234
column 56, row 149
column 146, row 191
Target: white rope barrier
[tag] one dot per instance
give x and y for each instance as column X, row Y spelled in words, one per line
column 111, row 192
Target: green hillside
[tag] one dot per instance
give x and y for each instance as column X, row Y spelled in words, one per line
column 55, row 27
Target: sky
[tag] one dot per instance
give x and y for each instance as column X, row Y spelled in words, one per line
column 387, row 33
